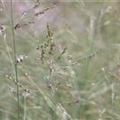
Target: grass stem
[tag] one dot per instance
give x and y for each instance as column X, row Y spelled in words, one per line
column 14, row 54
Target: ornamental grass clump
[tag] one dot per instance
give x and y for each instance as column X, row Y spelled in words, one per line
column 59, row 60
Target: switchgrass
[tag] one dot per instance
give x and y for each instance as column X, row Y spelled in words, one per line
column 59, row 60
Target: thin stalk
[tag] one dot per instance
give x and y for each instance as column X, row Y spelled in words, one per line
column 25, row 109
column 7, row 48
column 14, row 54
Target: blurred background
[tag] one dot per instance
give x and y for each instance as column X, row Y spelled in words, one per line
column 67, row 56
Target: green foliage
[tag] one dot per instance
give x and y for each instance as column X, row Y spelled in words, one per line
column 67, row 60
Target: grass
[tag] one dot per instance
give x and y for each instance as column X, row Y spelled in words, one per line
column 15, row 57
column 59, row 60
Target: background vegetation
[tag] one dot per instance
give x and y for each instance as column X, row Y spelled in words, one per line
column 59, row 60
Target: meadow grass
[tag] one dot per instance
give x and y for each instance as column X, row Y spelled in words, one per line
column 59, row 60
